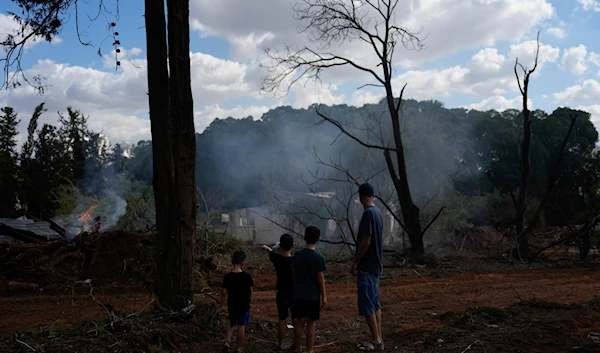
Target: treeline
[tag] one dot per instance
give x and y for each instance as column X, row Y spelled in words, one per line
column 56, row 166
column 467, row 160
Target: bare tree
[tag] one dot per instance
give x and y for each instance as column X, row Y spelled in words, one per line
column 523, row 233
column 520, row 203
column 329, row 22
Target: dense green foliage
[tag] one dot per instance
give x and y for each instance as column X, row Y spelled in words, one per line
column 465, row 159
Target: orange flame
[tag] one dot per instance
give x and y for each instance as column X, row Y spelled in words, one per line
column 85, row 217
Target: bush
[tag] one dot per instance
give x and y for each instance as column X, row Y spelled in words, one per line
column 210, row 242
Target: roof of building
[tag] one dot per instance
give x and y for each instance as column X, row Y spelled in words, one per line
column 39, row 228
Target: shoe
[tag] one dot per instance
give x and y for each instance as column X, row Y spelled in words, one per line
column 371, row 346
column 226, row 347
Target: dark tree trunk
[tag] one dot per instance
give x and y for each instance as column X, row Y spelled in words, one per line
column 522, row 236
column 586, row 245
column 175, row 254
column 410, row 212
column 180, row 250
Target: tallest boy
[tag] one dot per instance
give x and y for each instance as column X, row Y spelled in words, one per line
column 368, row 265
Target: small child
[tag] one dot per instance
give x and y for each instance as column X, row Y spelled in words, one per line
column 285, row 284
column 309, row 288
column 237, row 288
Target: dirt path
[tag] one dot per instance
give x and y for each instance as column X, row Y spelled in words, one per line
column 414, row 302
column 20, row 312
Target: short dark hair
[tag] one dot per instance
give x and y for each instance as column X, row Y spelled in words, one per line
column 366, row 189
column 286, row 242
column 312, row 234
column 238, row 257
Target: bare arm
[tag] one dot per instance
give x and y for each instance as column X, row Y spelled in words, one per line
column 267, row 249
column 294, row 280
column 321, row 282
column 362, row 250
column 223, row 299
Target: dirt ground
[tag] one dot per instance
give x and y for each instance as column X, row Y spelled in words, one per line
column 470, row 303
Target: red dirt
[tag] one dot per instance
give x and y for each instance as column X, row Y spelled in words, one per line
column 420, row 305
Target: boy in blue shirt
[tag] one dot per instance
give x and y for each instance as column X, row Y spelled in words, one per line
column 285, row 283
column 237, row 288
column 309, row 288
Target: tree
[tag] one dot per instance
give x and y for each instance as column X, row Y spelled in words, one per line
column 27, row 163
column 520, row 203
column 171, row 116
column 371, row 22
column 8, row 162
column 523, row 233
column 47, row 172
column 76, row 133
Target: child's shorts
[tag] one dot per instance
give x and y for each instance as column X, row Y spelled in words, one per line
column 238, row 318
column 310, row 309
column 285, row 302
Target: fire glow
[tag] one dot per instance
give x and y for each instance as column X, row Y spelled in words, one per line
column 85, row 217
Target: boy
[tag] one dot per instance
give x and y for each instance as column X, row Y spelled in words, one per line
column 237, row 288
column 309, row 287
column 285, row 284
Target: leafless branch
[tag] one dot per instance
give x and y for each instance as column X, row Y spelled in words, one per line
column 433, row 220
column 40, row 20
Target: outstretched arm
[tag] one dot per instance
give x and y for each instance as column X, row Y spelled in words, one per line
column 267, row 249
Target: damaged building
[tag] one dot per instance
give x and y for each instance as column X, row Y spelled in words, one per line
column 265, row 224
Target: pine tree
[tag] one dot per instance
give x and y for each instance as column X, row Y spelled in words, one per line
column 8, row 162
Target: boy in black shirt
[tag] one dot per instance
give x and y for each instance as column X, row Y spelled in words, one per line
column 285, row 284
column 309, row 289
column 237, row 288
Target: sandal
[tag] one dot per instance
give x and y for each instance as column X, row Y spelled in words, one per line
column 226, row 347
column 371, row 346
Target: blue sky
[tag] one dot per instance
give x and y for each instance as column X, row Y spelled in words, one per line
column 468, row 61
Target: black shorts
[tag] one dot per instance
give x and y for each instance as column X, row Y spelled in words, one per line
column 310, row 309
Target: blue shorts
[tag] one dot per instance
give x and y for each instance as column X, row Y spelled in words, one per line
column 285, row 302
column 237, row 318
column 367, row 285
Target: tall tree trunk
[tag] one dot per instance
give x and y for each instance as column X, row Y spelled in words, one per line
column 410, row 212
column 522, row 236
column 180, row 250
column 162, row 152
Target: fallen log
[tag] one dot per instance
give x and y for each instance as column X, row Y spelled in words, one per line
column 22, row 286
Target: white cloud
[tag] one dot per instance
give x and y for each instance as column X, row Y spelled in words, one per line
column 590, row 5
column 499, row 103
column 119, row 127
column 115, row 100
column 360, row 98
column 488, row 60
column 456, row 27
column 557, row 32
column 525, row 52
column 574, row 60
column 594, row 110
column 588, row 91
column 316, row 93
column 9, row 26
column 489, row 73
column 433, row 83
column 248, row 46
column 594, row 58
column 204, row 117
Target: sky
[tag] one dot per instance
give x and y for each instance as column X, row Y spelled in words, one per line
column 468, row 60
